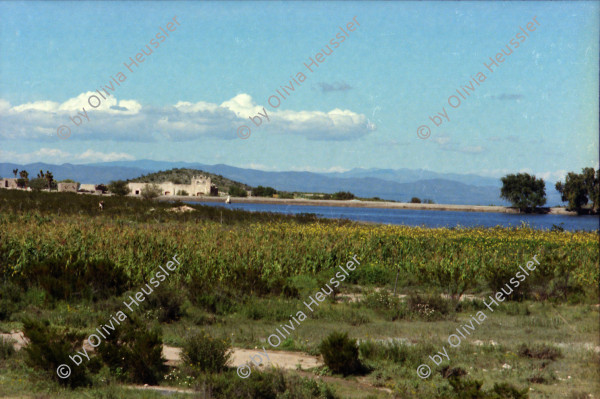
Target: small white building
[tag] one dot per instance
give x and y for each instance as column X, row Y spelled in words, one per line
column 200, row 185
column 9, row 182
column 67, row 187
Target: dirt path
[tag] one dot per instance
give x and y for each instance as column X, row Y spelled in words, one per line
column 239, row 356
column 282, row 359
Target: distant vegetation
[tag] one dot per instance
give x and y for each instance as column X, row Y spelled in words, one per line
column 524, row 191
column 579, row 189
column 237, row 191
column 151, row 191
column 340, row 195
column 261, row 191
column 528, row 192
column 119, row 188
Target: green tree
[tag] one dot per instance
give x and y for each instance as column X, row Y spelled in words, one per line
column 49, row 178
column 579, row 189
column 102, row 188
column 119, row 187
column 524, row 191
column 591, row 179
column 261, row 191
column 342, row 195
column 37, row 184
column 24, row 179
column 151, row 191
column 237, row 191
column 415, row 200
column 573, row 191
column 15, row 172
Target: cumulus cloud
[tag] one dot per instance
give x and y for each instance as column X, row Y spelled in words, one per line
column 128, row 120
column 53, row 155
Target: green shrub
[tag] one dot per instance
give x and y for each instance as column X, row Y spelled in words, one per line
column 543, row 352
column 285, row 195
column 381, row 301
column 166, row 303
column 49, row 348
column 10, row 297
column 182, row 193
column 134, row 352
column 206, row 354
column 62, row 279
column 342, row 195
column 394, row 351
column 430, row 306
column 507, row 391
column 237, row 191
column 340, row 353
column 371, row 275
column 151, row 191
column 7, row 348
column 261, row 191
column 119, row 188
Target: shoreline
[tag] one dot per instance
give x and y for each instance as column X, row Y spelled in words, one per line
column 365, row 204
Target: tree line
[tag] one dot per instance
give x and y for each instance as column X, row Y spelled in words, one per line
column 581, row 191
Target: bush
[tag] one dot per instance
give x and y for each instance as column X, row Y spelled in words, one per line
column 94, row 279
column 471, row 389
column 540, row 352
column 264, row 385
column 119, row 187
column 342, row 195
column 430, row 306
column 10, row 296
column 38, row 184
column 340, row 353
column 103, row 189
column 237, row 191
column 286, row 195
column 151, row 191
column 166, row 303
column 261, row 191
column 215, row 300
column 415, row 200
column 183, row 193
column 133, row 352
column 48, row 349
column 204, row 353
column 7, row 348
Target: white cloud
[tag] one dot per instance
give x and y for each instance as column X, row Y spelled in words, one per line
column 53, row 155
column 128, row 120
column 295, row 168
column 548, row 176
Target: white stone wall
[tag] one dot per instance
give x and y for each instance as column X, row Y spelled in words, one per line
column 8, row 183
column 200, row 186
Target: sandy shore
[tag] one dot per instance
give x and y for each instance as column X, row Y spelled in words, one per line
column 364, row 204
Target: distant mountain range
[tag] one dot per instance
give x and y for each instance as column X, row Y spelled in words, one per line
column 390, row 184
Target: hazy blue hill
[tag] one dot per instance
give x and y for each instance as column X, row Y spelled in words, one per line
column 399, row 185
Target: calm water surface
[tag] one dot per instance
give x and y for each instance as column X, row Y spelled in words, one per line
column 424, row 218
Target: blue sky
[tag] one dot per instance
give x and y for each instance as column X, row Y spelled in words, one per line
column 536, row 112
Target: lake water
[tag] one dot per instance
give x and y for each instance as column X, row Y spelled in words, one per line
column 424, row 218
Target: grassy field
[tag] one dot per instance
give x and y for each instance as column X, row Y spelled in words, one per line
column 243, row 274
